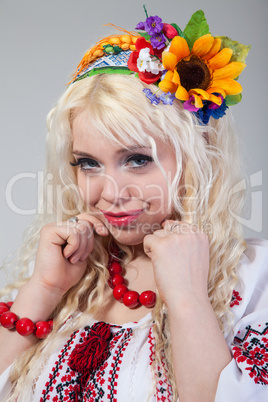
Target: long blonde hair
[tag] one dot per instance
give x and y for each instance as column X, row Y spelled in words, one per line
column 207, row 160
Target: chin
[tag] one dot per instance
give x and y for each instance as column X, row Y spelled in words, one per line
column 133, row 235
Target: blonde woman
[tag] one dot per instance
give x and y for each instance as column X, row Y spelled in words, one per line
column 153, row 291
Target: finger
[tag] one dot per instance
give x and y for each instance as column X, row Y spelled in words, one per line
column 181, row 227
column 148, row 243
column 85, row 235
column 72, row 242
column 97, row 224
column 169, row 223
column 88, row 247
column 83, row 230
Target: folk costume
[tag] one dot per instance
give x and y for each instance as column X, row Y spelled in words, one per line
column 108, row 362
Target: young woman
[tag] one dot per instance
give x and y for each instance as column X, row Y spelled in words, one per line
column 138, row 257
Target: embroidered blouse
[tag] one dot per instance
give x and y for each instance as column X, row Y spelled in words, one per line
column 126, row 374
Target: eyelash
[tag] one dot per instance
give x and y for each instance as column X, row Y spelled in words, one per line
column 81, row 161
column 148, row 159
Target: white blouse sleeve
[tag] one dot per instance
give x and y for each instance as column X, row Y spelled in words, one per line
column 5, row 384
column 245, row 378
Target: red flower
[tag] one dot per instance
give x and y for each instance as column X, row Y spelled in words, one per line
column 265, row 341
column 259, row 356
column 238, row 354
column 169, row 31
column 236, row 299
column 148, row 78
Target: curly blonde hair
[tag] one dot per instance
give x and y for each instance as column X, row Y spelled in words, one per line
column 207, row 160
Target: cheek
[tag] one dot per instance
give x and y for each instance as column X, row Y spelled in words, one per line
column 157, row 196
column 88, row 189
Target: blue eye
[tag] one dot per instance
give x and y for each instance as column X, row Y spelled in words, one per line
column 138, row 161
column 85, row 163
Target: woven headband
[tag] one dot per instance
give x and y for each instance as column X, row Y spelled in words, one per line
column 192, row 66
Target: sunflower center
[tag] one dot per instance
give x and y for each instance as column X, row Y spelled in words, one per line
column 194, row 73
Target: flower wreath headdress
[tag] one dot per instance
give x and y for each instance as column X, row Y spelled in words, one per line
column 192, row 66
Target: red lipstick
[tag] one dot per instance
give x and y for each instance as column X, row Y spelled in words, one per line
column 121, row 218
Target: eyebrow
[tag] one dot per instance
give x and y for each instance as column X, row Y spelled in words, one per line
column 119, row 151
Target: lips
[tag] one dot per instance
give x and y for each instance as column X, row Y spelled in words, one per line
column 121, row 218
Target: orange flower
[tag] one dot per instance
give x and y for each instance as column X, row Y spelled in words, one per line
column 201, row 73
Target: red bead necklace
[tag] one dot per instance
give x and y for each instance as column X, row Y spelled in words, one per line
column 121, row 293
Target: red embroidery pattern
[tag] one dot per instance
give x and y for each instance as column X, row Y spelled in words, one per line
column 66, row 385
column 69, row 380
column 252, row 351
column 163, row 387
column 94, row 389
column 236, row 299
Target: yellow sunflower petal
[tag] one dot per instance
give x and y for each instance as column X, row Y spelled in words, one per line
column 215, row 99
column 221, row 59
column 230, row 87
column 169, row 76
column 214, row 49
column 202, row 45
column 169, row 60
column 197, row 101
column 179, row 47
column 199, row 91
column 167, row 86
column 214, row 90
column 176, row 78
column 232, row 70
column 181, row 93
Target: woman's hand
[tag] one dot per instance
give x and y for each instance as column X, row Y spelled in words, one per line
column 181, row 263
column 62, row 252
column 180, row 259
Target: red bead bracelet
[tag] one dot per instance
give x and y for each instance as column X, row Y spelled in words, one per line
column 121, row 293
column 24, row 326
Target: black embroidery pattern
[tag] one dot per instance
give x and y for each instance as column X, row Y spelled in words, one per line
column 69, row 380
column 66, row 386
column 116, row 365
column 163, row 387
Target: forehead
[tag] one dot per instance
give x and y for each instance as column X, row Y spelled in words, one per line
column 87, row 131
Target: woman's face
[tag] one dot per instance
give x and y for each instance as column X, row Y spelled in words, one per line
column 123, row 187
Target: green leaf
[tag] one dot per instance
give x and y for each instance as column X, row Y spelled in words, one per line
column 196, row 27
column 240, row 51
column 108, row 49
column 180, row 33
column 233, row 99
column 106, row 70
column 117, row 49
column 144, row 34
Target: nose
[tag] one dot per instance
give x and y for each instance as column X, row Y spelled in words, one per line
column 115, row 188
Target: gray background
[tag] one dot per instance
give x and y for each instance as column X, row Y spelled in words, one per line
column 42, row 41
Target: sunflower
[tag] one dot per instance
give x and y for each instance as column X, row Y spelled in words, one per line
column 204, row 73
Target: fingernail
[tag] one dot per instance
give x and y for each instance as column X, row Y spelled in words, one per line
column 74, row 260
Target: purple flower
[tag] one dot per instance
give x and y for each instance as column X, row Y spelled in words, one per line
column 153, row 25
column 158, row 41
column 189, row 105
column 167, row 98
column 141, row 25
column 152, row 97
